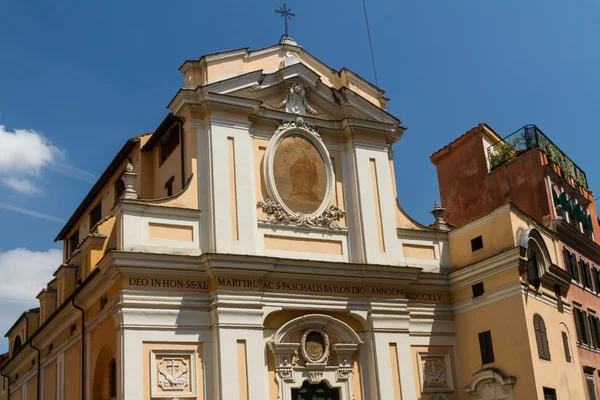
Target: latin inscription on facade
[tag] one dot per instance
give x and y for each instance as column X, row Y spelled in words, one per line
column 283, row 287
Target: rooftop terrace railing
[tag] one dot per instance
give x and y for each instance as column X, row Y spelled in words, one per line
column 531, row 137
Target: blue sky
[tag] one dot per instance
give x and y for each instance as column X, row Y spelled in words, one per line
column 90, row 74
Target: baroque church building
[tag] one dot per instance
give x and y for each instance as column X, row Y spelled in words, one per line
column 252, row 247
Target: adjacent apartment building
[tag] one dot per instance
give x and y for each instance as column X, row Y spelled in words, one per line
column 480, row 175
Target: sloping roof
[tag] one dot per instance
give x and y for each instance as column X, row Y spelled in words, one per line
column 97, row 188
column 33, row 310
column 162, row 129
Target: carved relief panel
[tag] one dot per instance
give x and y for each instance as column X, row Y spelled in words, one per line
column 173, row 373
column 435, row 372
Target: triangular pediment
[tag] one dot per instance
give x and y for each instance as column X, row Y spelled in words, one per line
column 269, row 87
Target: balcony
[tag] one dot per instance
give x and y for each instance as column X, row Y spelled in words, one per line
column 531, row 137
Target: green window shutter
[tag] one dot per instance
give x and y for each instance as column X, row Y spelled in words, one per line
column 578, row 213
column 564, row 203
column 589, row 223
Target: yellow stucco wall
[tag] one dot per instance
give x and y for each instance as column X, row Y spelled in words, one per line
column 557, row 373
column 497, row 235
column 32, row 384
column 466, row 292
column 50, row 381
column 507, row 322
column 72, row 368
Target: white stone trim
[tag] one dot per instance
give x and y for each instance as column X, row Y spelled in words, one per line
column 485, row 269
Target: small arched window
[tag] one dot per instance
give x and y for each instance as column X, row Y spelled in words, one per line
column 16, row 344
column 541, row 337
column 112, row 378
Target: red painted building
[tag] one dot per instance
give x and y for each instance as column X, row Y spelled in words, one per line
column 480, row 171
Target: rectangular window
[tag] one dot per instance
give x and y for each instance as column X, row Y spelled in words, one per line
column 73, row 241
column 73, row 328
column 96, row 214
column 585, row 271
column 485, row 345
column 593, row 330
column 169, row 186
column 103, row 302
column 478, row 289
column 169, row 144
column 549, row 394
column 565, row 340
column 559, row 302
column 580, row 325
column 589, row 379
column 477, row 243
column 569, row 265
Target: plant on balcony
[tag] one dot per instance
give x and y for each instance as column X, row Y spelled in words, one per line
column 502, row 152
column 581, row 181
column 552, row 152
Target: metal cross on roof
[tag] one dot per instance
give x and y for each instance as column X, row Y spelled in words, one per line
column 286, row 14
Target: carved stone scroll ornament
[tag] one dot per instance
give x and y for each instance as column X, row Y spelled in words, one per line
column 295, row 101
column 329, row 218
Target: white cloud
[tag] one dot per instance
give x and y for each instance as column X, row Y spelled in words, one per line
column 22, row 185
column 23, row 273
column 25, row 152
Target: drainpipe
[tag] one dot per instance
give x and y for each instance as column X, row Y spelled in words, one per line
column 82, row 347
column 182, row 153
column 39, row 355
column 8, row 385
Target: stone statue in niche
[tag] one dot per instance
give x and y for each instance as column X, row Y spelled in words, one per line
column 295, row 101
column 172, row 373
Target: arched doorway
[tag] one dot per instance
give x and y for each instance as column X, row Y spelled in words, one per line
column 320, row 391
column 104, row 384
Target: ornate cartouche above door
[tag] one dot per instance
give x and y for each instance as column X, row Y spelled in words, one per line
column 299, row 178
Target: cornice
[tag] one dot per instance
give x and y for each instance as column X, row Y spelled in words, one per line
column 490, row 267
column 576, row 240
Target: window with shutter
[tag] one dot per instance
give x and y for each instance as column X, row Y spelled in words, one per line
column 586, row 328
column 569, row 264
column 565, row 340
column 579, row 327
column 533, row 275
column 593, row 331
column 575, row 265
column 589, row 379
column 594, row 270
column 585, row 270
column 541, row 337
column 486, row 348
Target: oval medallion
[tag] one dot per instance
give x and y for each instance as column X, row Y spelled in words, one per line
column 315, row 346
column 300, row 174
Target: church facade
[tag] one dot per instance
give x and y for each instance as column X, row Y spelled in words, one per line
column 252, row 247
